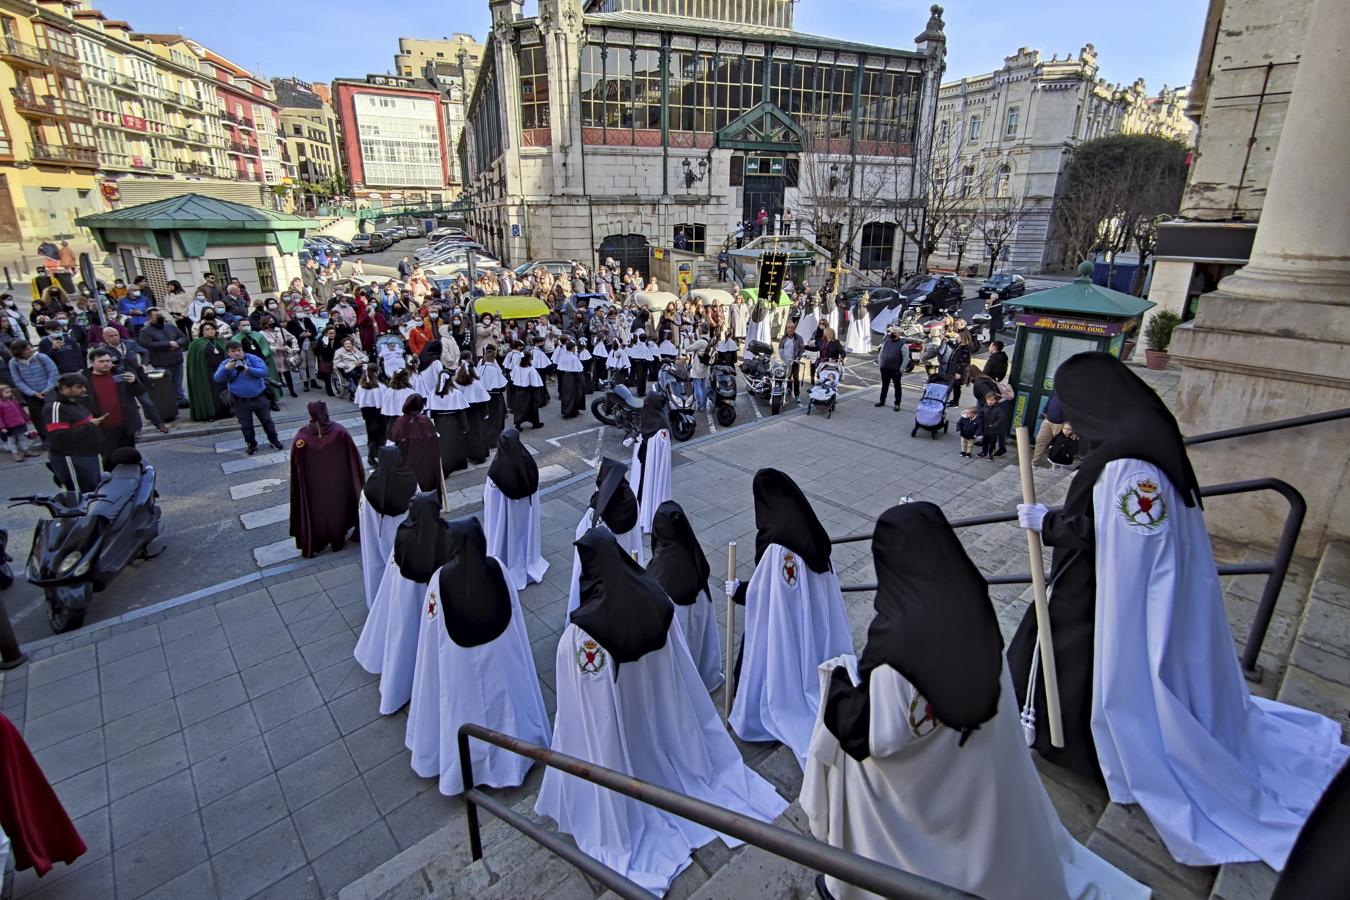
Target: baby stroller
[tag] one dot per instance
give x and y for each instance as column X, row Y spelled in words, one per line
column 393, row 354
column 932, row 412
column 825, row 391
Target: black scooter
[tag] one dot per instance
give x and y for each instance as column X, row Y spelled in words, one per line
column 91, row 537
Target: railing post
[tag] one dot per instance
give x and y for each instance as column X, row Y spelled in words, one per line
column 470, row 808
column 1284, row 553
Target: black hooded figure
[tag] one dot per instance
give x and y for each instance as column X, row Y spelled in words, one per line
column 475, row 597
column 622, row 607
column 513, row 469
column 613, row 504
column 390, row 488
column 655, row 417
column 1117, row 416
column 679, row 565
column 422, row 544
column 929, row 594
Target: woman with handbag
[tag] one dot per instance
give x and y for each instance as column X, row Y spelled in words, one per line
column 285, row 351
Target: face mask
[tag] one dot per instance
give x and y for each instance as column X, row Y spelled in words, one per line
column 438, row 315
column 134, row 294
column 220, row 309
column 62, row 322
column 200, row 298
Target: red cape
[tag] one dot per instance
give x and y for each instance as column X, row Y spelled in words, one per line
column 30, row 812
column 326, row 482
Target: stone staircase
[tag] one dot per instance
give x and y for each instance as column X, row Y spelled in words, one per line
column 1306, row 659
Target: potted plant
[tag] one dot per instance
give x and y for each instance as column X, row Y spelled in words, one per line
column 1158, row 337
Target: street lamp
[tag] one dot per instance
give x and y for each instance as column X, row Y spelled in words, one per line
column 690, row 179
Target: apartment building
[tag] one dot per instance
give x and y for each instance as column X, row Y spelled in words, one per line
column 394, row 141
column 250, row 119
column 309, row 131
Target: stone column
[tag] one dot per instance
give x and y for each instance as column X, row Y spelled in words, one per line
column 1274, row 340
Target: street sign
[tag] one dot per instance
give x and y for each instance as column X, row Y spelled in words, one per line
column 515, row 230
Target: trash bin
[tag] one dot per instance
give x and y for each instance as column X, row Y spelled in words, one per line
column 163, row 395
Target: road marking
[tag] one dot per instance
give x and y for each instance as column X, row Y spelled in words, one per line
column 271, row 554
column 262, row 461
column 254, row 488
column 238, row 443
column 270, row 515
column 754, row 404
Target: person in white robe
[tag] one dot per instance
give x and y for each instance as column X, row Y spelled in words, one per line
column 571, row 381
column 618, row 365
column 680, row 566
column 836, row 319
column 1223, row 776
column 447, row 406
column 388, row 643
column 859, row 338
column 613, row 505
column 473, row 665
column 649, row 468
column 621, row 648
column 917, row 758
column 740, row 318
column 1318, row 866
column 758, row 327
column 511, row 511
column 383, row 507
column 794, row 619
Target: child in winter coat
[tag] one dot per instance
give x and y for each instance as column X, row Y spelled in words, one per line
column 968, row 426
column 1064, row 447
column 995, row 425
column 14, row 424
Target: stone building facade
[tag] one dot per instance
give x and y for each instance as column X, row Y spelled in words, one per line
column 602, row 130
column 1011, row 132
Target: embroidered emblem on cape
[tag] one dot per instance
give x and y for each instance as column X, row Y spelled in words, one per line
column 300, row 444
column 922, row 722
column 790, row 570
column 431, row 605
column 591, row 658
column 1141, row 506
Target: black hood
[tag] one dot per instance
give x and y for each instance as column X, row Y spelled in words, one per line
column 622, row 607
column 391, row 486
column 757, row 313
column 1118, row 416
column 422, row 543
column 430, row 354
column 613, row 501
column 784, row 516
column 677, row 562
column 513, row 469
column 655, row 414
column 475, row 599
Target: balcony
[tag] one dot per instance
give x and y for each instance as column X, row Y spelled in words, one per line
column 64, row 155
column 193, row 168
column 48, row 107
column 16, row 52
column 247, row 176
column 238, row 121
column 182, row 100
column 63, row 62
column 123, row 82
column 242, row 149
column 135, row 162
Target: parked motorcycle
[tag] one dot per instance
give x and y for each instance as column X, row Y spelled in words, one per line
column 679, row 390
column 723, row 382
column 765, row 377
column 92, row 537
column 617, row 406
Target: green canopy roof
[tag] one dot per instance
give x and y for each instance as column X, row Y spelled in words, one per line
column 194, row 222
column 1082, row 297
column 197, row 212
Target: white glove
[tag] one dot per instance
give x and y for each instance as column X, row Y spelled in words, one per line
column 733, row 586
column 1031, row 515
column 628, row 442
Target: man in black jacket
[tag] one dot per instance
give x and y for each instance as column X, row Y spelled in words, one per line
column 891, row 359
column 129, row 356
column 72, row 435
column 996, row 366
column 165, row 344
column 112, row 398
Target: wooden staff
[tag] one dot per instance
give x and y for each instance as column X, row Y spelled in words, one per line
column 1047, row 646
column 727, row 660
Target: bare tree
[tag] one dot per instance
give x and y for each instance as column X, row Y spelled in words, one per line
column 838, row 194
column 998, row 219
column 951, row 183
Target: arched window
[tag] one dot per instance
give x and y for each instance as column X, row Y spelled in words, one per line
column 878, row 245
column 1002, row 184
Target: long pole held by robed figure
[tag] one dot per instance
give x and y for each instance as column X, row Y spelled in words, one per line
column 727, row 660
column 1044, row 639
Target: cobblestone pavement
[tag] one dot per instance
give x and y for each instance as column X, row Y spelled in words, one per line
column 229, row 746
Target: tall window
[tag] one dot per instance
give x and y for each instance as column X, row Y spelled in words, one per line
column 974, row 128
column 944, row 131
column 221, row 268
column 1014, row 118
column 1002, row 183
column 267, row 274
column 534, row 109
column 967, row 180
column 694, row 234
column 878, row 245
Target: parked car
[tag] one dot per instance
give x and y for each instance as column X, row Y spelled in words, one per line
column 554, row 267
column 318, row 248
column 369, row 243
column 460, row 263
column 933, row 294
column 1005, row 284
column 449, row 232
column 392, row 235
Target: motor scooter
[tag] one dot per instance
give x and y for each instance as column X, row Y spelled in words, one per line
column 90, row 538
column 724, row 394
column 678, row 387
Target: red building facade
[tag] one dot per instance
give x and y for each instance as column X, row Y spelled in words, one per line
column 394, row 138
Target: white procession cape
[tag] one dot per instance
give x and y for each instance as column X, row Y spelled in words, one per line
column 1223, row 776
column 698, row 621
column 975, row 817
column 654, row 720
column 388, row 643
column 756, row 331
column 494, row 684
column 794, row 621
column 513, row 535
column 377, row 542
column 859, row 331
column 630, row 541
column 654, row 489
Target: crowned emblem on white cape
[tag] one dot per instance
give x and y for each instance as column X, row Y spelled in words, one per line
column 591, row 658
column 790, row 569
column 1141, row 506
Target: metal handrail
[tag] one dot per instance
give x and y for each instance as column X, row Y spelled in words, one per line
column 1276, row 569
column 1264, row 427
column 850, row 867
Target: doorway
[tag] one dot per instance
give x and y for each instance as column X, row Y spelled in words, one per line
column 762, row 192
column 627, row 250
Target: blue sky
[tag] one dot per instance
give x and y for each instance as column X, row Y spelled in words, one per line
column 1156, row 39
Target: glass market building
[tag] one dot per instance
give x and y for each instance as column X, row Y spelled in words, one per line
column 603, row 129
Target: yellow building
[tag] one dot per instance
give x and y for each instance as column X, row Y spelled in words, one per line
column 414, row 53
column 48, row 158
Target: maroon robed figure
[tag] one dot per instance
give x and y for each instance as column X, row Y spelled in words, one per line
column 326, row 482
column 39, row 830
column 416, row 439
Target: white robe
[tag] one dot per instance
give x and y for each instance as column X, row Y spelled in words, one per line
column 513, row 535
column 393, row 400
column 1223, row 776
column 491, row 376
column 886, row 317
column 684, row 748
column 806, row 326
column 655, row 488
column 370, row 398
column 377, row 542
column 756, row 331
column 698, row 621
column 859, row 332
column 976, row 817
column 388, row 643
column 630, row 541
column 794, row 621
column 494, row 685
